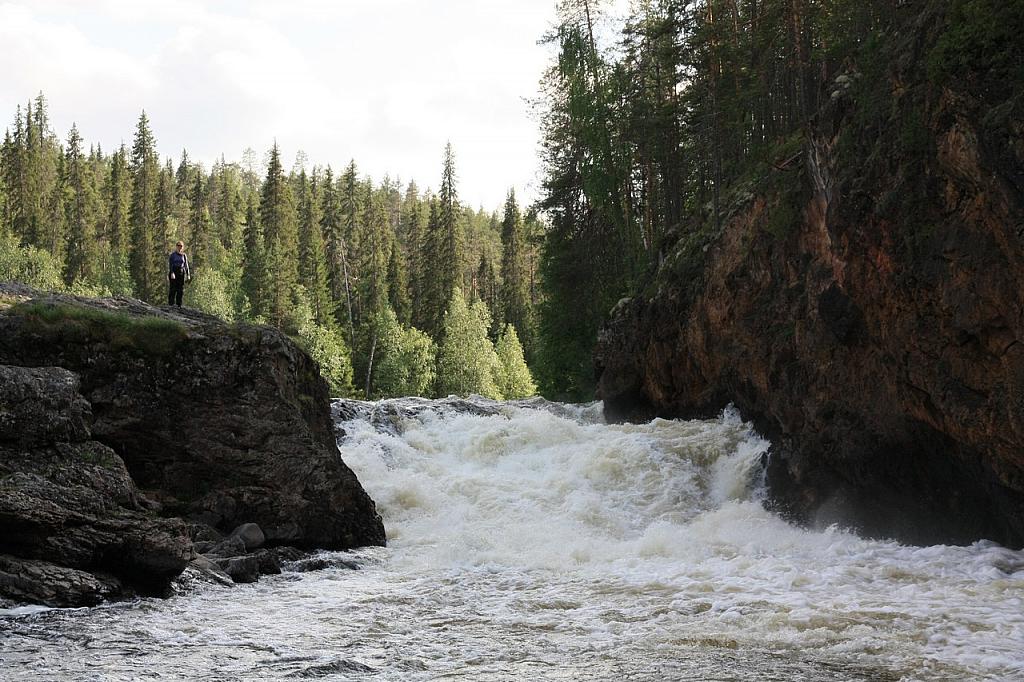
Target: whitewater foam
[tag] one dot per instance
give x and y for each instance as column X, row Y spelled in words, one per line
column 533, row 541
column 674, row 507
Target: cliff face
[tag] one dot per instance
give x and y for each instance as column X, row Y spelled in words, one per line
column 122, row 424
column 872, row 331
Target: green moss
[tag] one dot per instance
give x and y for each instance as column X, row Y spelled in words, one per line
column 98, row 455
column 783, row 218
column 122, row 332
column 685, row 265
column 245, row 331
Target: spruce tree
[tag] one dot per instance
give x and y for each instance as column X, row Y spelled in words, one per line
column 350, row 197
column 332, row 224
column 117, row 194
column 184, row 179
column 4, row 202
column 32, row 169
column 255, row 273
column 413, row 239
column 227, row 212
column 82, row 207
column 451, row 253
column 376, row 252
column 43, row 219
column 281, row 238
column 200, row 227
column 227, row 205
column 515, row 293
column 442, row 251
column 487, row 290
column 11, row 159
column 398, row 285
column 147, row 247
column 55, row 216
column 313, row 271
column 168, row 230
column 433, row 297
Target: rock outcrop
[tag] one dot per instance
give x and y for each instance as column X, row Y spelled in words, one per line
column 874, row 332
column 72, row 530
column 126, row 430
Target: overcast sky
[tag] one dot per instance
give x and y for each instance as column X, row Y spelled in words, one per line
column 386, row 82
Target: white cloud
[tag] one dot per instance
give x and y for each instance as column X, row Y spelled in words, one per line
column 385, row 82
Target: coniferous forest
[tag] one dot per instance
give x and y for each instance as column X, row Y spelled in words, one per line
column 393, row 289
column 647, row 127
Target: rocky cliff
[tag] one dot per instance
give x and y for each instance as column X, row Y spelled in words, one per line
column 863, row 304
column 127, row 432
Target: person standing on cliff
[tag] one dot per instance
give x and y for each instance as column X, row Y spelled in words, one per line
column 178, row 274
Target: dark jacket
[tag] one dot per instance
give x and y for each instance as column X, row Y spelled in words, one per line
column 177, row 264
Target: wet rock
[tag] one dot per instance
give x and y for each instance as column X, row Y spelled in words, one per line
column 241, row 569
column 128, row 431
column 267, row 561
column 333, row 669
column 388, row 416
column 287, row 554
column 206, row 570
column 68, row 508
column 42, row 582
column 200, row 532
column 41, row 406
column 231, row 546
column 320, row 562
column 250, row 534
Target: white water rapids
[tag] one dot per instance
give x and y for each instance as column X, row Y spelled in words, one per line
column 538, row 543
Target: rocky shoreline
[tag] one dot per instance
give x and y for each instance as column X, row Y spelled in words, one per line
column 136, row 442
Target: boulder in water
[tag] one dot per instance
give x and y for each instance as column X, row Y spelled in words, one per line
column 242, row 569
column 251, row 536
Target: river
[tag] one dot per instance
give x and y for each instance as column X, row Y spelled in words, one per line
column 534, row 542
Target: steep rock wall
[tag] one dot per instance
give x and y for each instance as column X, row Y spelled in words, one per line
column 875, row 337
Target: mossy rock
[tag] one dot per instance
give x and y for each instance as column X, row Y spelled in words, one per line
column 121, row 331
